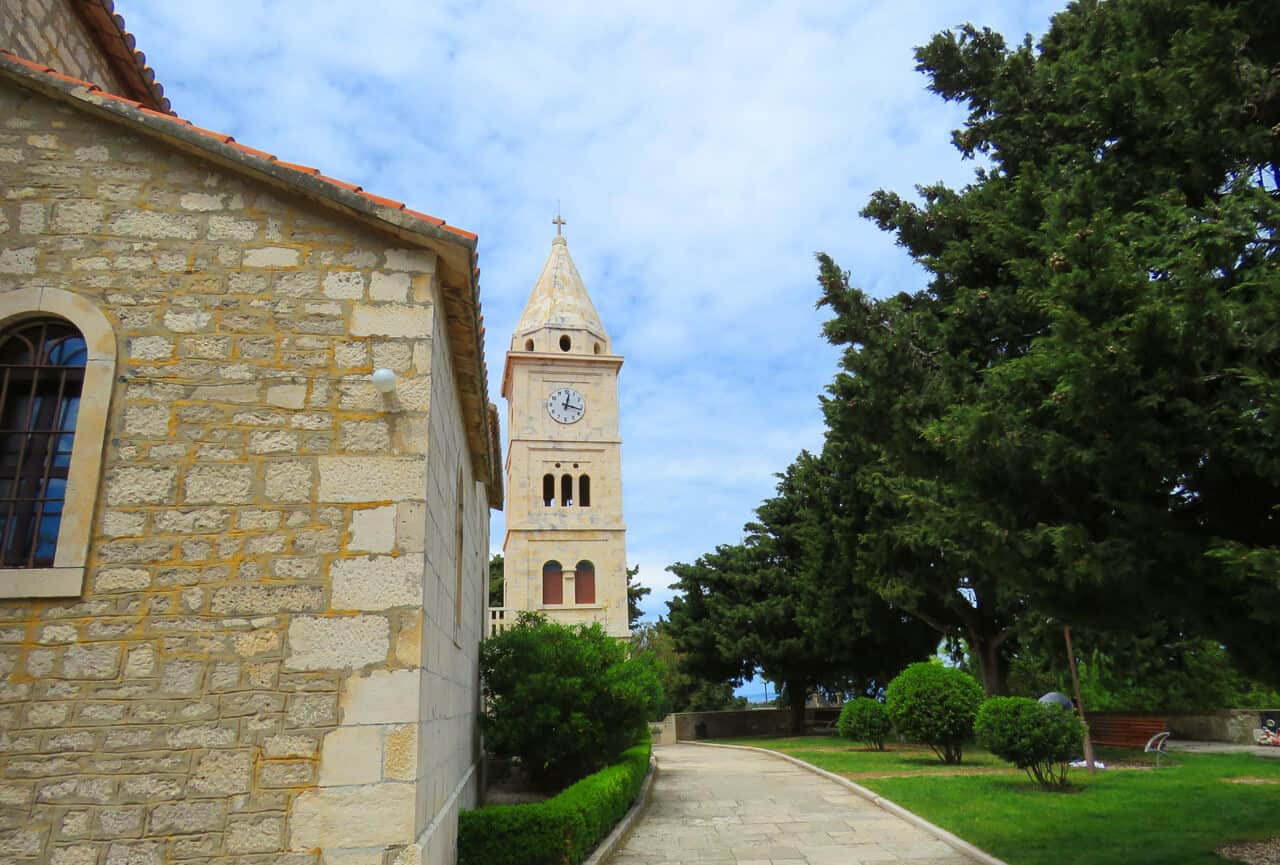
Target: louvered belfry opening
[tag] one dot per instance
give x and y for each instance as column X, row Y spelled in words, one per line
column 42, row 365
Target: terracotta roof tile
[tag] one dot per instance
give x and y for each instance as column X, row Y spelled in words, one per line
column 305, row 169
column 39, row 67
column 61, row 77
column 253, row 151
column 461, row 232
column 222, row 137
column 336, row 182
column 388, row 202
column 425, row 217
column 209, row 132
column 119, row 46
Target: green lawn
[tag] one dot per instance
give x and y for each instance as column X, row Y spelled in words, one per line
column 840, row 755
column 1176, row 815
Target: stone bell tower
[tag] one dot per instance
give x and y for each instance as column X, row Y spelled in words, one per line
column 565, row 546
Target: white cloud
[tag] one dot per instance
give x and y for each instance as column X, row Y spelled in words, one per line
column 702, row 152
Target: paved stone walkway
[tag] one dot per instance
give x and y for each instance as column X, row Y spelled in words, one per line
column 1222, row 748
column 732, row 806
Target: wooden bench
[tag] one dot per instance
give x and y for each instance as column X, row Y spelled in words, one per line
column 1124, row 731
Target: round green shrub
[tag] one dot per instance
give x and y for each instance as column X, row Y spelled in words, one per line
column 935, row 705
column 865, row 720
column 1038, row 738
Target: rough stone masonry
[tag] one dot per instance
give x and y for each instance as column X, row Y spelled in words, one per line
column 273, row 656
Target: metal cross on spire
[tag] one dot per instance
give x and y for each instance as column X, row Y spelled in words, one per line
column 558, row 222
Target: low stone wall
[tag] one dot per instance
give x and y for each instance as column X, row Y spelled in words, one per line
column 684, row 726
column 1224, row 725
column 663, row 732
column 742, row 722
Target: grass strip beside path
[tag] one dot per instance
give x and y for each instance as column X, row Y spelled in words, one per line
column 1177, row 815
column 837, row 755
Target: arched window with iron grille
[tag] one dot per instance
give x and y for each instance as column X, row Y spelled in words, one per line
column 42, row 371
column 57, row 377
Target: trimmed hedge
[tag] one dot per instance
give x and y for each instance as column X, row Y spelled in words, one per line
column 563, row 829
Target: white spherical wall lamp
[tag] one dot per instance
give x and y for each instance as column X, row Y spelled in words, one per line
column 384, row 380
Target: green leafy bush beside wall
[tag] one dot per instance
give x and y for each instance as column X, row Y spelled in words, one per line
column 563, row 829
column 565, row 700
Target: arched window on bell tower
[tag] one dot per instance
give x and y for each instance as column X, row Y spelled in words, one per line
column 566, row 491
column 584, row 583
column 584, row 491
column 552, row 583
column 548, row 490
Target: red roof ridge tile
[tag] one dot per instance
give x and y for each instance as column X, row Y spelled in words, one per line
column 305, row 169
column 253, row 151
column 336, row 182
column 462, row 232
column 387, row 202
column 425, row 217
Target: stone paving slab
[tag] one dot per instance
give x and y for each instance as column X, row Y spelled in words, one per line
column 719, row 805
column 1221, row 748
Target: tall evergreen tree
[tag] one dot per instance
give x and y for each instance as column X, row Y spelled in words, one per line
column 684, row 692
column 635, row 596
column 784, row 602
column 1081, row 409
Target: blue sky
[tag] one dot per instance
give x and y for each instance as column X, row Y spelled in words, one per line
column 701, row 154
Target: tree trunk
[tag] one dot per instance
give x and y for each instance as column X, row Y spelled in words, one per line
column 795, row 700
column 992, row 664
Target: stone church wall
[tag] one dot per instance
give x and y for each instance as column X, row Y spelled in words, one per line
column 49, row 32
column 264, row 662
column 448, row 742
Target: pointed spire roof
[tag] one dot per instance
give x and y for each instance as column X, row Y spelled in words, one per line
column 559, row 299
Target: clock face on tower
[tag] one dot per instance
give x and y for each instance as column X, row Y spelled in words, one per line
column 566, row 405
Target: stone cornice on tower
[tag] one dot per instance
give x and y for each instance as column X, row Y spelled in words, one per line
column 564, row 362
